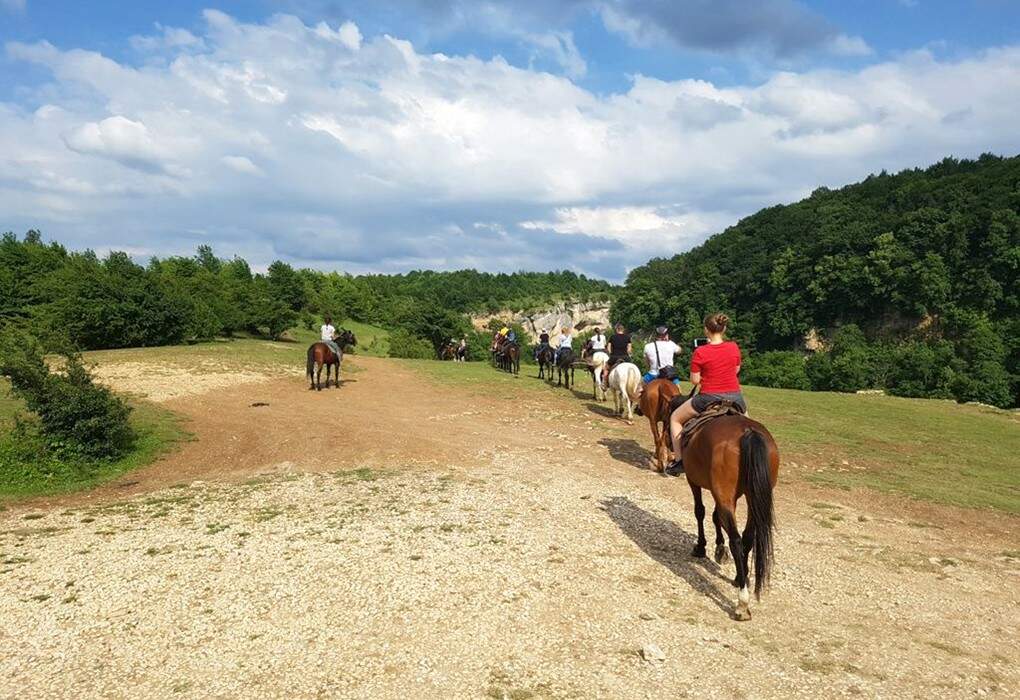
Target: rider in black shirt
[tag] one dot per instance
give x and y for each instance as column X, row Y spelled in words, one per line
column 619, row 349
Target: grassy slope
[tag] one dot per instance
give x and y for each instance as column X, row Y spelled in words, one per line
column 934, row 450
column 157, row 429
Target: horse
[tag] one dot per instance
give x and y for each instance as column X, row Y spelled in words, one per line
column 461, row 354
column 512, row 357
column 320, row 355
column 624, row 385
column 599, row 359
column 655, row 406
column 734, row 456
column 546, row 356
column 565, row 368
column 448, row 352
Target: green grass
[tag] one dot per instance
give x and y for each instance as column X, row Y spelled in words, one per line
column 157, row 430
column 937, row 451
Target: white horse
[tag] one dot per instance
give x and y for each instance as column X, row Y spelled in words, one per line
column 625, row 386
column 599, row 359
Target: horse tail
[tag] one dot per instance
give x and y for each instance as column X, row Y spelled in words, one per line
column 754, row 468
column 310, row 367
column 633, row 383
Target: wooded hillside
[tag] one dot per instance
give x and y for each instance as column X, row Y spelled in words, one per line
column 920, row 270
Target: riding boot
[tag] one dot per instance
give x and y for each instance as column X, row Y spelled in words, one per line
column 675, row 468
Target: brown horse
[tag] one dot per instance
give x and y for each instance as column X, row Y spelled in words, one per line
column 545, row 362
column 734, row 456
column 655, row 406
column 320, row 355
column 448, row 352
column 512, row 358
column 565, row 368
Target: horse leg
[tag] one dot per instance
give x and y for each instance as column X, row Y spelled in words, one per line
column 699, row 513
column 657, row 441
column 729, row 522
column 720, row 543
column 318, row 377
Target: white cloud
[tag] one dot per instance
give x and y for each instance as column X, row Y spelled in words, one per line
column 241, row 164
column 168, row 38
column 844, row 45
column 395, row 154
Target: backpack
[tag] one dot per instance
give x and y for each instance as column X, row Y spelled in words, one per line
column 670, row 372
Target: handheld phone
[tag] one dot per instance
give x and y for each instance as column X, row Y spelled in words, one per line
column 700, row 341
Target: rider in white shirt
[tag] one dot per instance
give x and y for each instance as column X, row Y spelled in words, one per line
column 564, row 342
column 660, row 353
column 598, row 341
column 327, row 334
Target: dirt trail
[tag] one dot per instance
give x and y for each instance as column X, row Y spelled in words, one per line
column 412, row 539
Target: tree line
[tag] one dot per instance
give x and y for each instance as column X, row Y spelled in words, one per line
column 908, row 283
column 91, row 302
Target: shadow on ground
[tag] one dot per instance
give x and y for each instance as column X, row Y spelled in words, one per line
column 628, row 451
column 669, row 545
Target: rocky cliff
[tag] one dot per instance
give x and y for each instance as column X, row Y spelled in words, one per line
column 579, row 316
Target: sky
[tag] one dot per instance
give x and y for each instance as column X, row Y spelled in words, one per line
column 588, row 135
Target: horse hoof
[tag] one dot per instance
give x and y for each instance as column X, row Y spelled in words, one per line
column 698, row 552
column 742, row 613
column 720, row 554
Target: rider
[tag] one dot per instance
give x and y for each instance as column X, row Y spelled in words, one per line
column 714, row 369
column 659, row 354
column 511, row 336
column 564, row 342
column 597, row 342
column 462, row 349
column 619, row 350
column 328, row 335
column 543, row 342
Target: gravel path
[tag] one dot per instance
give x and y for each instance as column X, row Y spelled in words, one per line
column 483, row 570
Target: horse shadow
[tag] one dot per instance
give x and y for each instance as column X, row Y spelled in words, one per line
column 628, row 451
column 668, row 544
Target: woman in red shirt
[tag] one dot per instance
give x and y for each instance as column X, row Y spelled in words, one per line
column 714, row 368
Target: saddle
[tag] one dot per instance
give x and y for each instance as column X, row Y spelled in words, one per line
column 716, row 410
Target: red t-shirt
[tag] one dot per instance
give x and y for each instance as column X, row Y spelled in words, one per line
column 718, row 366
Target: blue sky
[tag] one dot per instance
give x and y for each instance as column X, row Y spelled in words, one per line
column 591, row 134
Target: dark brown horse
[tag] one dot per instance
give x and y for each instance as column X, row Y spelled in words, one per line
column 545, row 362
column 512, row 357
column 734, row 456
column 565, row 368
column 320, row 355
column 655, row 406
column 448, row 352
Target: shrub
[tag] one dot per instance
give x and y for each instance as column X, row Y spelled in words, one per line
column 783, row 370
column 404, row 344
column 76, row 415
column 922, row 370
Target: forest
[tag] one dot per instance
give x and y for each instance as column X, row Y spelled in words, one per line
column 908, row 283
column 80, row 301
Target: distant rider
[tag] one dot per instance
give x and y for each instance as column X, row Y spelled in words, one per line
column 543, row 342
column 660, row 353
column 619, row 350
column 564, row 342
column 714, row 369
column 328, row 335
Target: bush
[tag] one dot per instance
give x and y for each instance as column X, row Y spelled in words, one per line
column 76, row 416
column 782, row 370
column 922, row 370
column 404, row 344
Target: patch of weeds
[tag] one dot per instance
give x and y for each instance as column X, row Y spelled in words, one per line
column 180, row 687
column 17, row 560
column 415, row 557
column 40, row 597
column 827, row 524
column 243, row 534
column 266, row 514
column 33, row 516
column 820, row 505
column 361, row 474
column 836, row 518
column 917, row 524
column 1011, row 554
column 70, row 599
column 822, row 666
column 214, row 528
column 89, row 519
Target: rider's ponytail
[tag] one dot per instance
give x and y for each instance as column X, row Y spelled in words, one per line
column 716, row 323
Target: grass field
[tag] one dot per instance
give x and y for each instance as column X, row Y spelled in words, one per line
column 157, row 430
column 938, row 451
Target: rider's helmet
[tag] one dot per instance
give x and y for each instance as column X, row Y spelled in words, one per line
column 662, row 331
